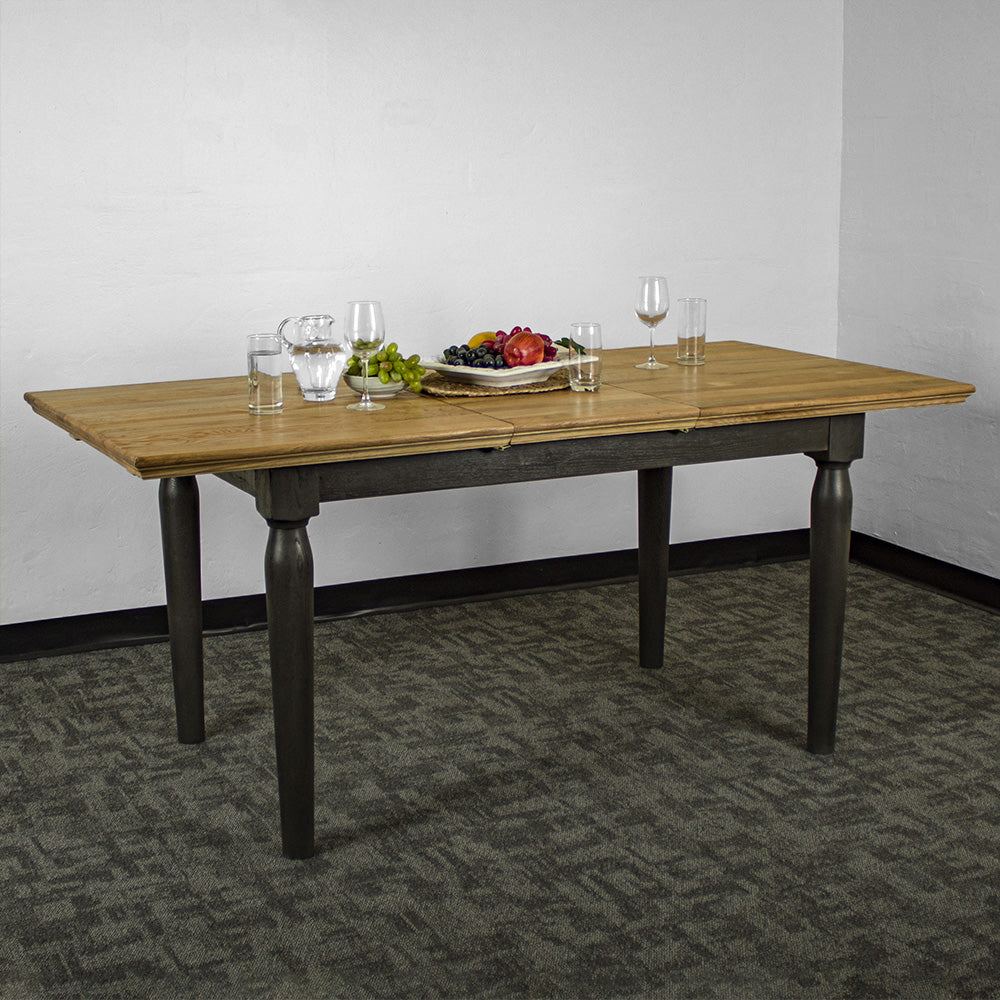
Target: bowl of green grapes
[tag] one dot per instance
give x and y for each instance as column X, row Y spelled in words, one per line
column 388, row 372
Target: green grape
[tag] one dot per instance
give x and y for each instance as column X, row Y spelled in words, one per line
column 390, row 366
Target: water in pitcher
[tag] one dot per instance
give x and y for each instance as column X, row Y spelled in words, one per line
column 318, row 367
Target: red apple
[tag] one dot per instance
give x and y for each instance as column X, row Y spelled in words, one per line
column 523, row 349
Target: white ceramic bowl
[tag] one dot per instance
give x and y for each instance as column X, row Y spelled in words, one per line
column 375, row 388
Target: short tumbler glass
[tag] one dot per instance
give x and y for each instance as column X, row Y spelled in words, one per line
column 585, row 357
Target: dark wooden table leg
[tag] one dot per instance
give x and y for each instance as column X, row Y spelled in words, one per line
column 181, row 537
column 829, row 554
column 829, row 550
column 654, row 488
column 289, row 579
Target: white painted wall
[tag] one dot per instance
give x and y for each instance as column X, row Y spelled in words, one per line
column 178, row 173
column 920, row 265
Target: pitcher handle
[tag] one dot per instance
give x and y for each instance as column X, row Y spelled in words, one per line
column 281, row 327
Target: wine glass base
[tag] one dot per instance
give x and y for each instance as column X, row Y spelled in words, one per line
column 366, row 407
column 652, row 365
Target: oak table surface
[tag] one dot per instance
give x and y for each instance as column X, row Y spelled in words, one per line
column 164, row 429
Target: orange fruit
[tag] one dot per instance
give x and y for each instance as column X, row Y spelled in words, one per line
column 480, row 338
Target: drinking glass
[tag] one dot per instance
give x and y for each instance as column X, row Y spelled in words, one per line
column 264, row 372
column 364, row 328
column 652, row 302
column 691, row 332
column 585, row 357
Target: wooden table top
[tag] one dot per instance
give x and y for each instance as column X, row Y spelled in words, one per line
column 187, row 428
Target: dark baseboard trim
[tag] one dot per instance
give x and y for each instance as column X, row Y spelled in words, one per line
column 81, row 633
column 944, row 578
column 110, row 629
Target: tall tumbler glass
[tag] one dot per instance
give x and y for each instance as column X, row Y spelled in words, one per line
column 691, row 331
column 264, row 372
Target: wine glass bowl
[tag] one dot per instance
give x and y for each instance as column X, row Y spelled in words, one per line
column 364, row 328
column 652, row 303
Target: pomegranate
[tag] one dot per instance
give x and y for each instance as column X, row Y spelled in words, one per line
column 523, row 348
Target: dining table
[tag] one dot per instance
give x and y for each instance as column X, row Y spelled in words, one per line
column 746, row 401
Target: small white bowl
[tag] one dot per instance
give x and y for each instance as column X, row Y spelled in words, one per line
column 376, row 389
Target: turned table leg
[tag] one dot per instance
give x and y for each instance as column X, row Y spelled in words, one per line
column 180, row 534
column 654, row 488
column 829, row 551
column 829, row 554
column 289, row 580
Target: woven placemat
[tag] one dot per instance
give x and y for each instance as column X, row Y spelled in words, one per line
column 437, row 384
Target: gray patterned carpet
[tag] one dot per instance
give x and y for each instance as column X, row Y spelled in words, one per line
column 508, row 807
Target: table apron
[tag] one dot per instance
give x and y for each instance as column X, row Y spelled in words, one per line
column 297, row 491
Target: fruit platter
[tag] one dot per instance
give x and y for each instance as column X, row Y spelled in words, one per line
column 498, row 358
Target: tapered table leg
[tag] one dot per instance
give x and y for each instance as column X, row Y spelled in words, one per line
column 654, row 488
column 180, row 533
column 829, row 551
column 288, row 569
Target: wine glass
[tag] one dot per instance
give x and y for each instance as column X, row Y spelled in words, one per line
column 365, row 332
column 652, row 302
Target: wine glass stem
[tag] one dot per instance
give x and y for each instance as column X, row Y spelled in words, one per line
column 652, row 360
